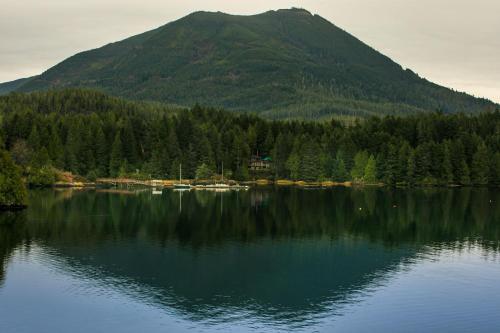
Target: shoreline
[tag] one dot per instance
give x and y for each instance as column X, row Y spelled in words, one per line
column 128, row 182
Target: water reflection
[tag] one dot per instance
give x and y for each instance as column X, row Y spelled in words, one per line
column 286, row 256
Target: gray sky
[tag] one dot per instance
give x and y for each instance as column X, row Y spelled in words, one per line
column 455, row 43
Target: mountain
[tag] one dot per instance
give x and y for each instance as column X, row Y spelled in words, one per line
column 280, row 64
column 8, row 87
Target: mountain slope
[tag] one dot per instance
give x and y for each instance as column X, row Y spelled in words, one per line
column 284, row 64
column 10, row 86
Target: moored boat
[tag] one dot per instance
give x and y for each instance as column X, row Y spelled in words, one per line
column 180, row 185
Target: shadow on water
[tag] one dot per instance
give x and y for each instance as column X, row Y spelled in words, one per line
column 285, row 254
column 12, row 235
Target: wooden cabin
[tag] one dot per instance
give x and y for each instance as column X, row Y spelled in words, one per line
column 260, row 163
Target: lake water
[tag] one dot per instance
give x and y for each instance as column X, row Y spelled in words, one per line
column 262, row 260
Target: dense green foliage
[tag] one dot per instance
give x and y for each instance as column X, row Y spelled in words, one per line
column 94, row 135
column 12, row 190
column 283, row 64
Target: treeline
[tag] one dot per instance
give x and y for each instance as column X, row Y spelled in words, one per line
column 95, row 135
column 12, row 190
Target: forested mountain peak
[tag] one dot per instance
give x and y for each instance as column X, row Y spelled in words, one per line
column 280, row 64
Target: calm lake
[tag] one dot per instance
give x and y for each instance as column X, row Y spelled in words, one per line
column 262, row 260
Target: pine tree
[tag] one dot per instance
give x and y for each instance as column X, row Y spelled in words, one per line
column 339, row 172
column 293, row 162
column 422, row 163
column 41, row 172
column 72, row 148
column 173, row 152
column 86, row 157
column 280, row 154
column 174, row 169
column 240, row 153
column 447, row 169
column 116, row 160
column 370, row 175
column 268, row 143
column 34, row 138
column 480, row 165
column 159, row 163
column 424, row 131
column 311, row 166
column 55, row 148
column 205, row 153
column 325, row 165
column 348, row 149
column 381, row 158
column 392, row 165
column 293, row 165
column 101, row 153
column 360, row 160
column 252, row 139
column 464, row 173
column 262, row 130
column 203, row 172
column 12, row 190
column 403, row 154
column 435, row 160
column 457, row 158
column 411, row 168
column 129, row 145
column 40, row 159
column 189, row 162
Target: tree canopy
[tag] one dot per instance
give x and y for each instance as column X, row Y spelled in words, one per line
column 12, row 189
column 95, row 135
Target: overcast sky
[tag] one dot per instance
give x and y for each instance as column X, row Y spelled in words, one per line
column 455, row 43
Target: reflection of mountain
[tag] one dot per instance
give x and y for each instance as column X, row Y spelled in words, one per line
column 292, row 255
column 273, row 279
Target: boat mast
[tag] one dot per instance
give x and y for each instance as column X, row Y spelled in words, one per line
column 222, row 172
column 180, row 173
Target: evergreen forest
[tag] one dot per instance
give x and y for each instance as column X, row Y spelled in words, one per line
column 94, row 135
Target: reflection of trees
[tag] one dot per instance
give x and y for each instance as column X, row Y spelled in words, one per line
column 132, row 237
column 207, row 218
column 11, row 236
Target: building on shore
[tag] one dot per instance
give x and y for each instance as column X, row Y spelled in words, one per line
column 260, row 163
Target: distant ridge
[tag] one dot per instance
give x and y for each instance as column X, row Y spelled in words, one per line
column 281, row 64
column 10, row 86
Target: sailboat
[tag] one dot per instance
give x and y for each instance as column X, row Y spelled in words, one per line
column 180, row 185
column 220, row 185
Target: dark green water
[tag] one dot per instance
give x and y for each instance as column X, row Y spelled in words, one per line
column 262, row 260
